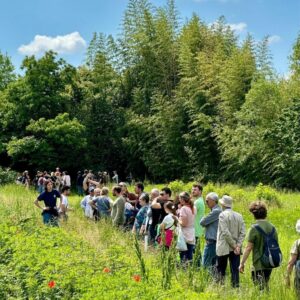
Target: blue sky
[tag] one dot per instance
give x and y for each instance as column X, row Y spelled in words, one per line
column 74, row 21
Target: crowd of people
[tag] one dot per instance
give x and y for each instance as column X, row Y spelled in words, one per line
column 181, row 222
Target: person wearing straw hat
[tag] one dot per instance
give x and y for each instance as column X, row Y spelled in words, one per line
column 230, row 237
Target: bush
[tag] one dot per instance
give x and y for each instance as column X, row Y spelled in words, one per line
column 176, row 186
column 268, row 194
column 7, row 176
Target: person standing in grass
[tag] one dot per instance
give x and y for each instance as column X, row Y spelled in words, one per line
column 102, row 203
column 141, row 216
column 260, row 274
column 168, row 225
column 139, row 190
column 49, row 211
column 147, row 227
column 66, row 179
column 79, row 183
column 210, row 222
column 157, row 209
column 230, row 237
column 64, row 207
column 294, row 262
column 118, row 207
column 85, row 204
column 199, row 204
column 187, row 215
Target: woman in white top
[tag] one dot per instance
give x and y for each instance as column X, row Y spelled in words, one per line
column 187, row 215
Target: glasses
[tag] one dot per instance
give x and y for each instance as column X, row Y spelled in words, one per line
column 162, row 194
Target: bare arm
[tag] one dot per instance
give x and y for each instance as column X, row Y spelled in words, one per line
column 289, row 269
column 92, row 204
column 247, row 252
column 155, row 204
column 94, row 182
column 37, row 204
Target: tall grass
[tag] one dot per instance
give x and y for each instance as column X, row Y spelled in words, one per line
column 100, row 245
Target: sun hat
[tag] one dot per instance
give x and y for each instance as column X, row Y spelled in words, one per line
column 226, row 201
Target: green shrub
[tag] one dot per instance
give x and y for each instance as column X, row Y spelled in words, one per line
column 268, row 194
column 176, row 186
column 7, row 176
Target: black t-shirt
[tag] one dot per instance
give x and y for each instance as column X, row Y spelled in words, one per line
column 49, row 198
column 158, row 214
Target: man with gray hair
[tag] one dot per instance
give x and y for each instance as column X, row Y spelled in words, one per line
column 210, row 223
column 230, row 237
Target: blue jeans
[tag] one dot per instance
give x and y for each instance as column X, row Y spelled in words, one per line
column 209, row 255
column 188, row 254
column 40, row 188
column 49, row 219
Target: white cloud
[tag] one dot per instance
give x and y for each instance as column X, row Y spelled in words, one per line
column 287, row 75
column 274, row 39
column 238, row 27
column 61, row 44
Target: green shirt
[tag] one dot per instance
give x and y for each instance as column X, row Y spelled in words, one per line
column 296, row 248
column 257, row 240
column 199, row 204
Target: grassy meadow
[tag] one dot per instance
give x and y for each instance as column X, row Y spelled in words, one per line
column 84, row 260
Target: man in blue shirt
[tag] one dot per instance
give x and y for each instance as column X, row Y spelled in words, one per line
column 210, row 222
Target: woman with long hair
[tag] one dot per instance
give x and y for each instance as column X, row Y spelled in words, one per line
column 50, row 210
column 187, row 215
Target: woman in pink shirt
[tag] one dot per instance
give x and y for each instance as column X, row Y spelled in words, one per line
column 187, row 215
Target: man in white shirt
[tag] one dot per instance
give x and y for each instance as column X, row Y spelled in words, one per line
column 88, row 210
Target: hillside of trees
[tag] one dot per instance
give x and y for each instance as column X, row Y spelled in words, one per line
column 164, row 99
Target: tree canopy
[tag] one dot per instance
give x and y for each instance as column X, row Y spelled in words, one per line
column 163, row 100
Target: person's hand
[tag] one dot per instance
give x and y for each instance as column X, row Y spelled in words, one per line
column 242, row 268
column 142, row 230
column 46, row 208
column 237, row 250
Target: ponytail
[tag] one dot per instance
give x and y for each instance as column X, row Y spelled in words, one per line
column 171, row 207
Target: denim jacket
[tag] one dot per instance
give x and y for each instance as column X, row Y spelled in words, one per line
column 210, row 222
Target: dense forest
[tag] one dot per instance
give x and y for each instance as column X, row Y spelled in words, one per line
column 164, row 99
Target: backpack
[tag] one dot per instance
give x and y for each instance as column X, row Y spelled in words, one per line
column 272, row 256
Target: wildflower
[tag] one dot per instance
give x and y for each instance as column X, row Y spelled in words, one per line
column 137, row 278
column 106, row 270
column 51, row 284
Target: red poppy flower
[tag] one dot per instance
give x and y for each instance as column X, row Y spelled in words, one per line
column 51, row 284
column 106, row 270
column 137, row 278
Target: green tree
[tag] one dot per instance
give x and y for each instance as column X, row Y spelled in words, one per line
column 59, row 141
column 7, row 74
column 282, row 156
